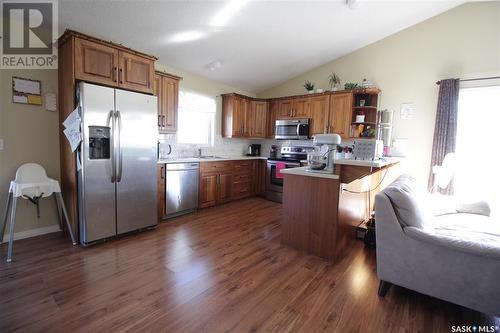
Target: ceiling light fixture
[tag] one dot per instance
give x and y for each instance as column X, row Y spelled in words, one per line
column 214, row 65
column 352, row 4
column 231, row 7
column 186, row 36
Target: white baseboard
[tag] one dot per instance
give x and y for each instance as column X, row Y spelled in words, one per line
column 31, row 233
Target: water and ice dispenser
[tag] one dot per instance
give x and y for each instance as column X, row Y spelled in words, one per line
column 99, row 142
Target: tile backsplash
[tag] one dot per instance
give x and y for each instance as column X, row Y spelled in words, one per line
column 222, row 146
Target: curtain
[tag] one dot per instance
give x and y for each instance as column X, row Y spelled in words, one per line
column 445, row 130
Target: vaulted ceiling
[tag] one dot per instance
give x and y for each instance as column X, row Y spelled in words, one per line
column 248, row 44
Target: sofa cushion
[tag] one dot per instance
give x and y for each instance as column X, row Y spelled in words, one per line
column 478, row 207
column 471, row 233
column 409, row 200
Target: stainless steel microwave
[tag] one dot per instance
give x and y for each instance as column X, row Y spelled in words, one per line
column 292, row 129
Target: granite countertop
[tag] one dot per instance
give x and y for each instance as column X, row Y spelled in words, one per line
column 367, row 163
column 304, row 171
column 209, row 159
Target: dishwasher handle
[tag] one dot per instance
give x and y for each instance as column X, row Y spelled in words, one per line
column 182, row 166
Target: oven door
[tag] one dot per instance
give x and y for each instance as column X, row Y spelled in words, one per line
column 274, row 183
column 292, row 130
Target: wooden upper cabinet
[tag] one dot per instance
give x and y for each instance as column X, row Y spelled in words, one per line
column 340, row 114
column 95, row 62
column 236, row 116
column 135, row 72
column 300, row 108
column 157, row 92
column 170, row 102
column 285, row 109
column 258, row 122
column 166, row 88
column 107, row 63
column 273, row 109
column 319, row 110
column 246, row 116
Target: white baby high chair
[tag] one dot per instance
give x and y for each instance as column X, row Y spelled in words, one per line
column 31, row 183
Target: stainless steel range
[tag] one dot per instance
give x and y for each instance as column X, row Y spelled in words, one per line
column 290, row 157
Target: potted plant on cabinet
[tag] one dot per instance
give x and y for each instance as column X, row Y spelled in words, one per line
column 309, row 87
column 334, row 81
column 350, row 86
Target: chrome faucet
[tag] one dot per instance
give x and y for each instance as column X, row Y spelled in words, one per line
column 199, row 152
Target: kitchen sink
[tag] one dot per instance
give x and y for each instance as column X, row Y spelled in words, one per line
column 212, row 157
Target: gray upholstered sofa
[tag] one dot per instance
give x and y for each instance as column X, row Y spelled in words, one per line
column 454, row 257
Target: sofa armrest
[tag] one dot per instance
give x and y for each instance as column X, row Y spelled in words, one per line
column 456, row 243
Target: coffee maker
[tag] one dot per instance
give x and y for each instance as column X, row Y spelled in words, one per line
column 254, row 150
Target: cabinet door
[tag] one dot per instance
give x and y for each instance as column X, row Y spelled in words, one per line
column 208, row 190
column 238, row 117
column 319, row 109
column 95, row 62
column 161, row 190
column 169, row 103
column 285, row 109
column 136, row 72
column 224, row 189
column 272, row 112
column 300, row 108
column 158, row 93
column 247, row 117
column 340, row 114
column 258, row 124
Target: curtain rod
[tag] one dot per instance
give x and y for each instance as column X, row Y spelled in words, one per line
column 477, row 79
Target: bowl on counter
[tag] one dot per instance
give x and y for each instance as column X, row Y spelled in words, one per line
column 316, row 161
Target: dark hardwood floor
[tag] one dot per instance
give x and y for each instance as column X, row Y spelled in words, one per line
column 221, row 269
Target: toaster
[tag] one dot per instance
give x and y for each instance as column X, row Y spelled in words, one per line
column 367, row 149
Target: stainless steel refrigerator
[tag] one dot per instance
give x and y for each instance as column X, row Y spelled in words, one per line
column 117, row 179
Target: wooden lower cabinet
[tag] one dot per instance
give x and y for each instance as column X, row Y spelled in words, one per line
column 225, row 181
column 208, row 190
column 161, row 182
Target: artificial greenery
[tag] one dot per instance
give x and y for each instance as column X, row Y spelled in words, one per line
column 350, row 86
column 334, row 80
column 309, row 86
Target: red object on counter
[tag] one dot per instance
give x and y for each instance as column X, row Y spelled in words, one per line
column 280, row 166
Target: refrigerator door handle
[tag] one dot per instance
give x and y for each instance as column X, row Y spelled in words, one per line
column 110, row 122
column 120, row 155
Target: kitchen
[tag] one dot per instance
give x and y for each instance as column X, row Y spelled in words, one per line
column 215, row 183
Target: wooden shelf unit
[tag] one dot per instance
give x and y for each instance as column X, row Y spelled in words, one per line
column 370, row 96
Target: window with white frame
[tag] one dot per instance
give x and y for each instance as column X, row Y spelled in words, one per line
column 196, row 124
column 476, row 176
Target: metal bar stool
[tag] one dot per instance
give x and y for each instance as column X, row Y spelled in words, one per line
column 31, row 183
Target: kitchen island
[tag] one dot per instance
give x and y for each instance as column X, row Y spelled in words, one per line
column 322, row 211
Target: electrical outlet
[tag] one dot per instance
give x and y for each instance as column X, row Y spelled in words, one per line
column 1, row 144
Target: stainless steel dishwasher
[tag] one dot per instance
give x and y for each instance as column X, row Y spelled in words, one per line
column 181, row 189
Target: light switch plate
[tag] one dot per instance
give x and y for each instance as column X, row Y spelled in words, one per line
column 1, row 144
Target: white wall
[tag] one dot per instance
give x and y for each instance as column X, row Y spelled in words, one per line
column 461, row 43
column 30, row 134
